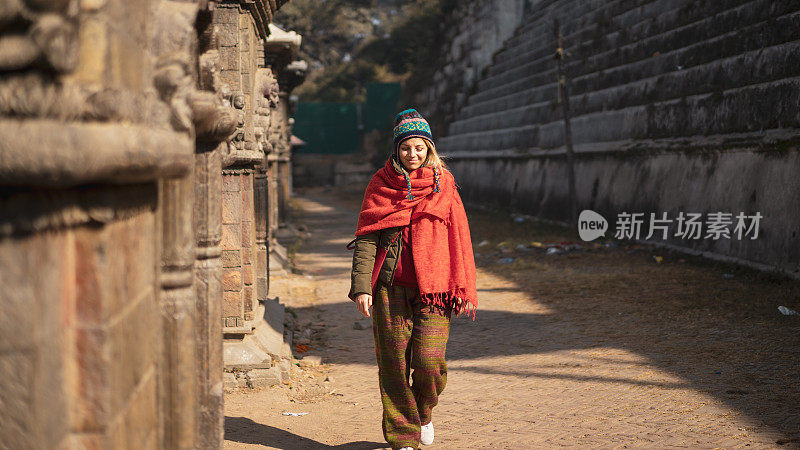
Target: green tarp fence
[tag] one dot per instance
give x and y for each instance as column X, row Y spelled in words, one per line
column 333, row 128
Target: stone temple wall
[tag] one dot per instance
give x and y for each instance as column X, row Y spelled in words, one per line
column 676, row 106
column 117, row 123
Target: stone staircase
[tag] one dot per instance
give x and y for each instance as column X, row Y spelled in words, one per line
column 641, row 69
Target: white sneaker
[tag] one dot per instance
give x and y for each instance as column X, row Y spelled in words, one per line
column 426, row 437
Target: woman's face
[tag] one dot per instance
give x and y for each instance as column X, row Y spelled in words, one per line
column 412, row 153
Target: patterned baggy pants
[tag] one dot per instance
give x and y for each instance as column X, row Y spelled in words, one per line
column 410, row 339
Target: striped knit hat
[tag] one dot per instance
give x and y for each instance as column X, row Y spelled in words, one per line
column 408, row 124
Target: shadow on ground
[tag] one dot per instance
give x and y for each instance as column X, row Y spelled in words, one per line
column 244, row 430
column 713, row 325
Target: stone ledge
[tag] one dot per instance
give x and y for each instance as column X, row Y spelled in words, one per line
column 54, row 154
column 723, row 142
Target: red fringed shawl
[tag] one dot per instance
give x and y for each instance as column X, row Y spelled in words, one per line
column 441, row 244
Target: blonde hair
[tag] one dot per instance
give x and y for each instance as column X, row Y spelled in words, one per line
column 432, row 158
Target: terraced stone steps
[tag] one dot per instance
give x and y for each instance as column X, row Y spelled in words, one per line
column 693, row 64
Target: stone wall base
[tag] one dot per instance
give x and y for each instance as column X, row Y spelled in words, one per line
column 609, row 182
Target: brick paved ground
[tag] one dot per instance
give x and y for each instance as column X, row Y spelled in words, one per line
column 603, row 348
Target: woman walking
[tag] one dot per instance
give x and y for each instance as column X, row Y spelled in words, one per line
column 413, row 265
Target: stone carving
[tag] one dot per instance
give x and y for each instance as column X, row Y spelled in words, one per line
column 47, row 40
column 266, row 92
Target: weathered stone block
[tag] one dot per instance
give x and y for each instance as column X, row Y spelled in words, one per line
column 228, row 36
column 133, row 346
column 141, row 425
column 229, row 59
column 246, row 181
column 229, row 383
column 249, row 299
column 232, row 279
column 261, row 378
column 89, row 251
column 90, row 408
column 231, row 258
column 231, row 207
column 248, row 234
column 231, row 236
column 285, row 368
column 243, row 354
column 232, row 304
column 231, row 183
column 247, row 204
column 310, row 361
column 247, row 255
column 247, row 274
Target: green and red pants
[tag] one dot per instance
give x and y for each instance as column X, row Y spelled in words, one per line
column 410, row 343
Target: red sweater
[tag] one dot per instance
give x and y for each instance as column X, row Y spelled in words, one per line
column 405, row 274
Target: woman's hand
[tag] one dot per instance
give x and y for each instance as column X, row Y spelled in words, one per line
column 363, row 303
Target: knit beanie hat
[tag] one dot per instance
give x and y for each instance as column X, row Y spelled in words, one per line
column 408, row 124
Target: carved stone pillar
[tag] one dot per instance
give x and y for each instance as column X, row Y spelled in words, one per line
column 208, row 291
column 215, row 122
column 178, row 314
column 175, row 41
column 262, row 242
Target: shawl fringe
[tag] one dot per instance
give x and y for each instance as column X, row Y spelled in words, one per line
column 447, row 301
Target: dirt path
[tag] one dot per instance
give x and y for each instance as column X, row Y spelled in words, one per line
column 598, row 348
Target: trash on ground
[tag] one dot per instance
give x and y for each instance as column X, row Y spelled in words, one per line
column 553, row 251
column 681, row 261
column 505, row 260
column 522, row 247
column 658, row 259
column 787, row 312
column 537, row 244
column 294, row 414
column 727, row 275
column 483, row 243
column 301, row 348
column 519, row 219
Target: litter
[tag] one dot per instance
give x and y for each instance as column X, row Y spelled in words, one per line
column 658, row 259
column 505, row 260
column 553, row 251
column 727, row 275
column 522, row 247
column 483, row 243
column 301, row 348
column 787, row 312
column 294, row 414
column 519, row 219
column 537, row 244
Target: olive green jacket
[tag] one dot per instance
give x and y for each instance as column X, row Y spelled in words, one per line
column 366, row 247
